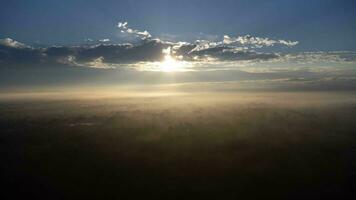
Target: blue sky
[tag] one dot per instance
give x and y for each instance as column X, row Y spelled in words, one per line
column 316, row 24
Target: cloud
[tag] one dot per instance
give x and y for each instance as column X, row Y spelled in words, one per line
column 317, row 58
column 288, row 43
column 256, row 42
column 205, row 49
column 104, row 40
column 210, row 48
column 14, row 54
column 213, row 63
column 230, row 48
column 205, row 44
column 98, row 63
column 12, row 43
column 143, row 35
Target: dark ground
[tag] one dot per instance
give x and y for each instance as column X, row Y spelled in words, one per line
column 178, row 148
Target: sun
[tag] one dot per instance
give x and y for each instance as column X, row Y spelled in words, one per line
column 169, row 64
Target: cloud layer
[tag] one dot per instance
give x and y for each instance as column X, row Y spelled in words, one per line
column 228, row 51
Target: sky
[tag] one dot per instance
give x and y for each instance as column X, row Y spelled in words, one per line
column 277, row 43
column 317, row 24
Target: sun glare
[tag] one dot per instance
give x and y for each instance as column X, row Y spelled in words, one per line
column 169, row 64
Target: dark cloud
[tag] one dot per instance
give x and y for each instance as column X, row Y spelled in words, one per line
column 145, row 51
column 150, row 50
column 231, row 54
column 106, row 54
column 13, row 55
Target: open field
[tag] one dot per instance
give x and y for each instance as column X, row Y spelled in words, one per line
column 293, row 145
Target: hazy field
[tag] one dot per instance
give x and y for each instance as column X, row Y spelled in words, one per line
column 178, row 145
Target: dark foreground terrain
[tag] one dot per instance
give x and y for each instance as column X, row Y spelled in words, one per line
column 208, row 146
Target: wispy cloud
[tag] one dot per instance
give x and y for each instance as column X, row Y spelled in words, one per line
column 124, row 28
column 104, row 40
column 12, row 43
column 256, row 42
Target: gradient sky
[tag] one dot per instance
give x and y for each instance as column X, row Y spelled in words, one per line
column 316, row 24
